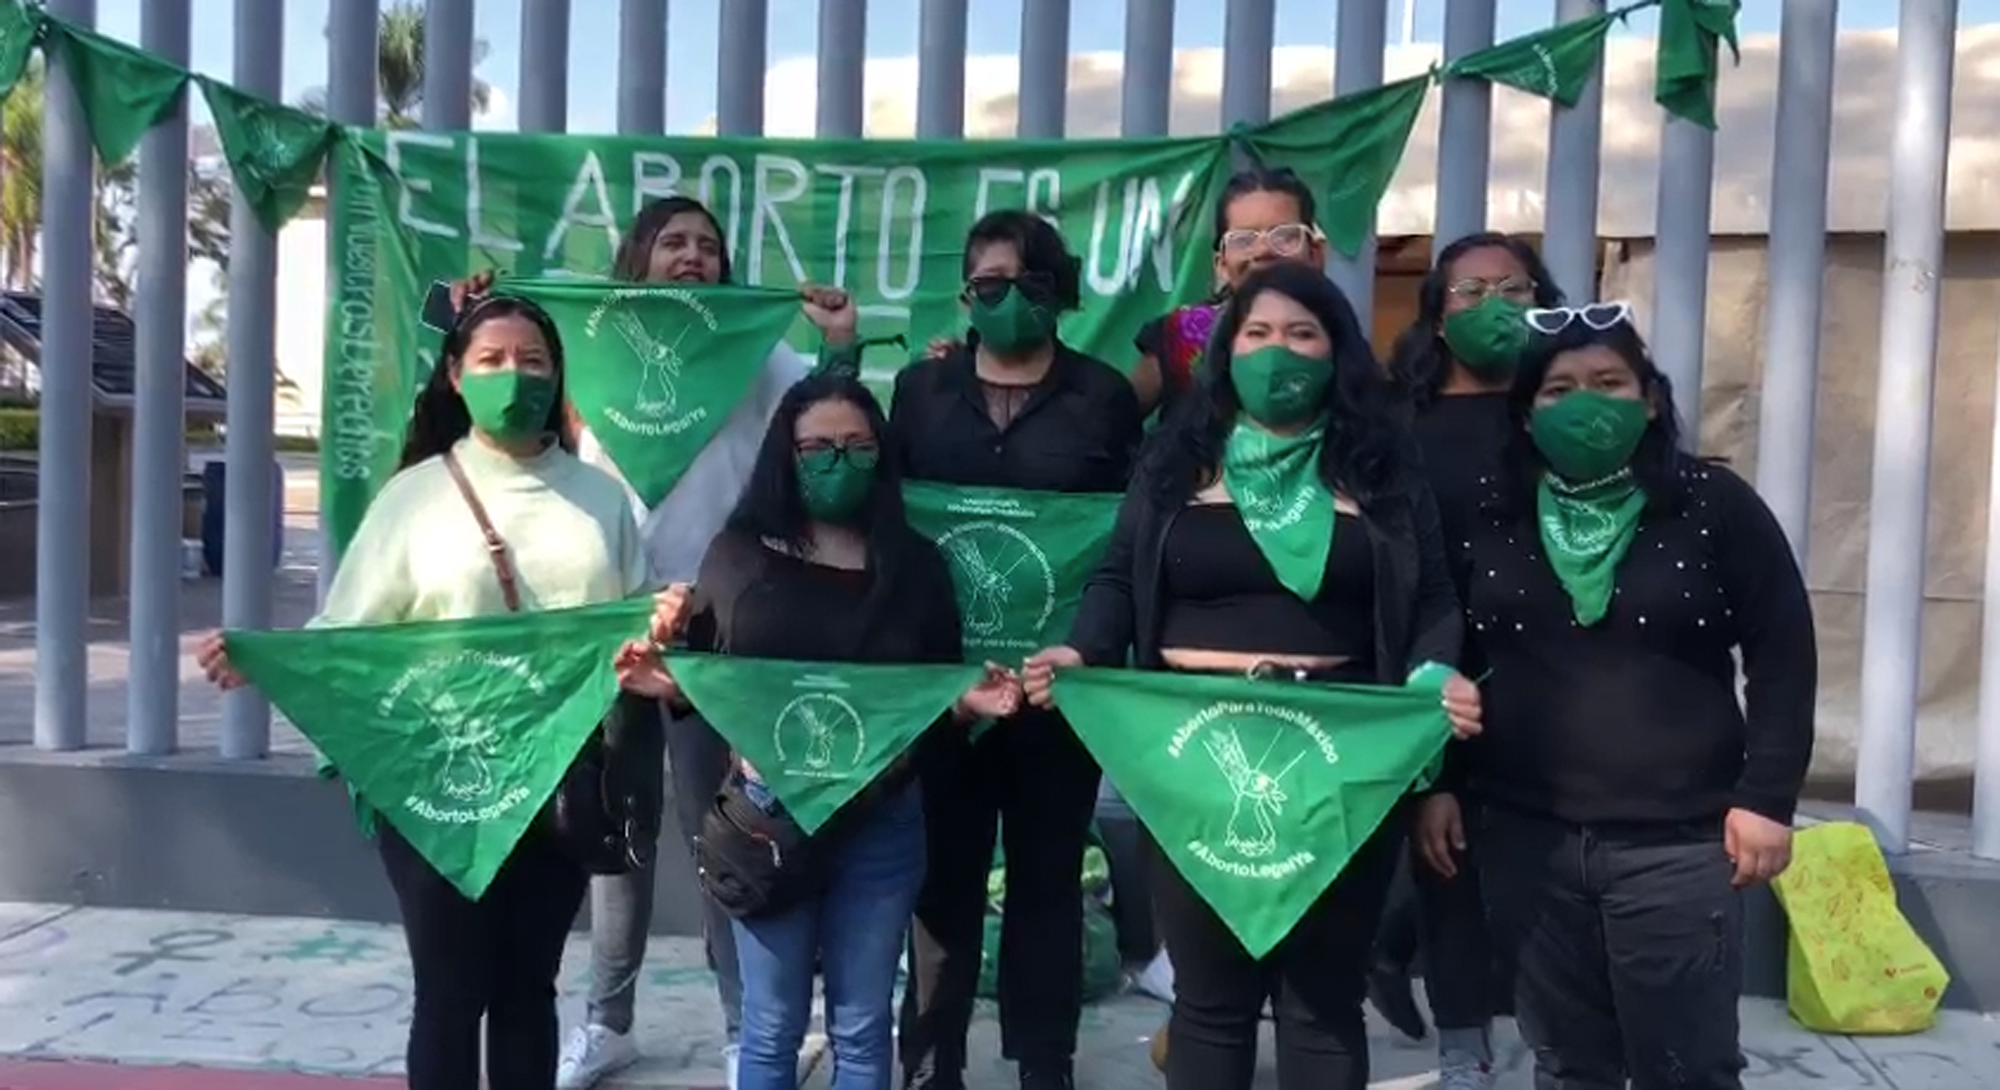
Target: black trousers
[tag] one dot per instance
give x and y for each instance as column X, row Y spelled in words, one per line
column 1629, row 950
column 495, row 958
column 1315, row 980
column 1031, row 777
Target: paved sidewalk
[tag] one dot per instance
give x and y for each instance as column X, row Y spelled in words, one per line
column 204, row 1002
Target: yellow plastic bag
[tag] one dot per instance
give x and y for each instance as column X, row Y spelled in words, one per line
column 1853, row 963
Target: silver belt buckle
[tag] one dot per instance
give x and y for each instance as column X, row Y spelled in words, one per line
column 1266, row 670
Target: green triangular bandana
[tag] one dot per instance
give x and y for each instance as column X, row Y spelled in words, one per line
column 655, row 369
column 818, row 732
column 1019, row 559
column 1259, row 791
column 456, row 731
column 124, row 89
column 1555, row 63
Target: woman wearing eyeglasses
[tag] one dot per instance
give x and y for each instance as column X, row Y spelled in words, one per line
column 1452, row 367
column 1012, row 407
column 1624, row 796
column 1264, row 216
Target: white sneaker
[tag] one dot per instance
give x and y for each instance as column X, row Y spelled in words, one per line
column 592, row 1053
column 1460, row 1069
column 730, row 1055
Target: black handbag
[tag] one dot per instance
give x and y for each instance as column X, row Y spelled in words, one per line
column 605, row 811
column 752, row 861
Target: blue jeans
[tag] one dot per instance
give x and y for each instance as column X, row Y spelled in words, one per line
column 854, row 932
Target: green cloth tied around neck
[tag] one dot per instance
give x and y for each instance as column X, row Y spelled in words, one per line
column 1288, row 509
column 1586, row 529
column 1685, row 70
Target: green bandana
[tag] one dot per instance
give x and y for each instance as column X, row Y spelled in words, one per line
column 1258, row 791
column 1587, row 529
column 818, row 732
column 456, row 731
column 1275, row 482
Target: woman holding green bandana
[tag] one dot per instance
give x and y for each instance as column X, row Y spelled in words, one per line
column 1278, row 526
column 1624, row 794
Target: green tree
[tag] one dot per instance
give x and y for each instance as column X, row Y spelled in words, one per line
column 399, row 70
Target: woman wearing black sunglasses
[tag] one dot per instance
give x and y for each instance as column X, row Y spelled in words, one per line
column 1621, row 794
column 1011, row 407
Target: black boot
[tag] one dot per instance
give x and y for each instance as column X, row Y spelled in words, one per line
column 1389, row 989
column 1047, row 1076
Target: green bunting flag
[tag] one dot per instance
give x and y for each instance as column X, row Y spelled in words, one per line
column 1259, row 791
column 1347, row 149
column 275, row 152
column 1018, row 559
column 456, row 731
column 654, row 369
column 19, row 30
column 1555, row 63
column 124, row 89
column 818, row 732
column 1685, row 73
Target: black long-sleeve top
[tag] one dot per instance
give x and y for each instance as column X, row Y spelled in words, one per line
column 1417, row 617
column 1636, row 718
column 755, row 601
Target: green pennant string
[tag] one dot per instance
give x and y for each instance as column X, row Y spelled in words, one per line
column 1347, row 149
column 123, row 89
column 20, row 35
column 1685, row 77
column 1555, row 63
column 275, row 152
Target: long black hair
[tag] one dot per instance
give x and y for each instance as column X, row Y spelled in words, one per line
column 1364, row 451
column 1658, row 461
column 635, row 250
column 1419, row 362
column 773, row 507
column 439, row 418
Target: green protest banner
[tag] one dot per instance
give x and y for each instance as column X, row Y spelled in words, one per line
column 818, row 732
column 456, row 731
column 1258, row 791
column 1018, row 559
column 654, row 369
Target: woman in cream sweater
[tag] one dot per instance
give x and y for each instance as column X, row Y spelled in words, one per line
column 491, row 410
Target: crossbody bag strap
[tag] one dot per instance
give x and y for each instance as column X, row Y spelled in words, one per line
column 496, row 548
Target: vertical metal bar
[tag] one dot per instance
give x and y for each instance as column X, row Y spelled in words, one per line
column 1986, row 757
column 1899, row 494
column 62, row 520
column 642, row 67
column 544, row 66
column 1147, row 96
column 1569, row 228
column 941, row 69
column 159, row 457
column 1680, row 265
column 352, row 29
column 1249, row 34
column 1044, row 69
column 1465, row 130
column 447, row 64
column 843, row 64
column 1797, row 263
column 249, row 494
column 742, row 49
column 1361, row 34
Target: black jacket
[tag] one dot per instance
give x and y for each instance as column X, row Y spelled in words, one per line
column 1417, row 617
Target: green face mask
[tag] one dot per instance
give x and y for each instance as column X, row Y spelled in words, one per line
column 835, row 482
column 1278, row 386
column 508, row 405
column 1488, row 338
column 1587, row 436
column 1013, row 325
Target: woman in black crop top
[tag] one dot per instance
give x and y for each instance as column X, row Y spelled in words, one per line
column 1622, row 794
column 1278, row 526
column 819, row 564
